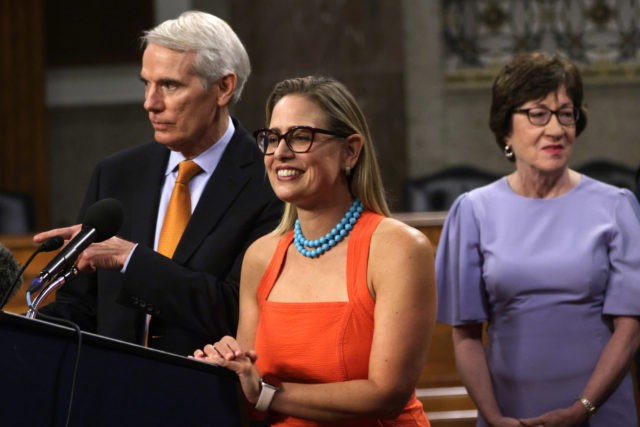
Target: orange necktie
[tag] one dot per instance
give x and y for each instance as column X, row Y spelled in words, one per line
column 178, row 210
column 175, row 219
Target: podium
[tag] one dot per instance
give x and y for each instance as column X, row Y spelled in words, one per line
column 117, row 383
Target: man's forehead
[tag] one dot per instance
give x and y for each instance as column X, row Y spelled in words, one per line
column 167, row 63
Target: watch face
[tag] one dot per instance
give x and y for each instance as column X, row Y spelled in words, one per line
column 271, row 380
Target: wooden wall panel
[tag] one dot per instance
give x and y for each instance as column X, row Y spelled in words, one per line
column 81, row 32
column 23, row 149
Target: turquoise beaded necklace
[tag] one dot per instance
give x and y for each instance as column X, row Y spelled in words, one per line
column 336, row 235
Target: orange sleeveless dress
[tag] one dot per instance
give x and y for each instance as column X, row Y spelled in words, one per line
column 324, row 342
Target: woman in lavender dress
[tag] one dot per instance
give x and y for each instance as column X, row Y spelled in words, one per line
column 550, row 260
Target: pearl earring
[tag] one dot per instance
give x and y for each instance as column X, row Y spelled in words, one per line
column 508, row 152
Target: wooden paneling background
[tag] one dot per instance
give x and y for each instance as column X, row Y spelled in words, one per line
column 23, row 148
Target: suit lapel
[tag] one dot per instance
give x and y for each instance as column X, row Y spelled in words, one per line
column 223, row 187
column 149, row 179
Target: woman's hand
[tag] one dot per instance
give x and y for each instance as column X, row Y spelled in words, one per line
column 227, row 353
column 574, row 415
column 506, row 422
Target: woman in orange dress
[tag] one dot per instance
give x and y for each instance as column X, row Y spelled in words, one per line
column 337, row 305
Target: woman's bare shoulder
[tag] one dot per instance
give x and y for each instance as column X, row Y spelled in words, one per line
column 394, row 233
column 260, row 252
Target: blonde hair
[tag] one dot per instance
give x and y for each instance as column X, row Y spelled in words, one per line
column 343, row 116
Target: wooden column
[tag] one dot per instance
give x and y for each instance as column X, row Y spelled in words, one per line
column 23, row 149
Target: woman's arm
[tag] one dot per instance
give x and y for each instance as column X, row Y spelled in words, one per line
column 617, row 355
column 615, row 360
column 402, row 278
column 612, row 366
column 474, row 372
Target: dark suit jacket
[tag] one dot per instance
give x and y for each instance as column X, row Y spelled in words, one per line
column 193, row 298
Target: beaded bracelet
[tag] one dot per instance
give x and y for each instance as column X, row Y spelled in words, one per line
column 590, row 407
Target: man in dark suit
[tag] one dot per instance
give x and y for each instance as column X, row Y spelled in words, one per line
column 193, row 68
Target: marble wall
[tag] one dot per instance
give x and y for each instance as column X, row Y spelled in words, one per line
column 388, row 52
column 447, row 122
column 358, row 43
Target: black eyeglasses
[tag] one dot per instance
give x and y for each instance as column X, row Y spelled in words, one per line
column 298, row 138
column 540, row 116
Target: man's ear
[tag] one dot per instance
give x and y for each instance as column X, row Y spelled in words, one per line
column 226, row 88
column 353, row 146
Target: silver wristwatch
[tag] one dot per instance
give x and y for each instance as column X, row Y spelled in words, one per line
column 268, row 387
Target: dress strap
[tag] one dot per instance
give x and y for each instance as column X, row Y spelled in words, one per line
column 358, row 257
column 275, row 265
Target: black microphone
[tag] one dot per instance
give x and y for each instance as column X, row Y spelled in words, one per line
column 101, row 222
column 10, row 271
column 51, row 244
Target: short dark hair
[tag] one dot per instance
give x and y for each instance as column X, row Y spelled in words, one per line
column 532, row 76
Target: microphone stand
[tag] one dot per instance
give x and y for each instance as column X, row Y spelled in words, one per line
column 51, row 244
column 60, row 280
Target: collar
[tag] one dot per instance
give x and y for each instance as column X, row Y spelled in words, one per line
column 208, row 159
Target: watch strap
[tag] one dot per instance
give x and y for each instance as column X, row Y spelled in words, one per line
column 267, row 392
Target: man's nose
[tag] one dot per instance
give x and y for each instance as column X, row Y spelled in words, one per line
column 152, row 99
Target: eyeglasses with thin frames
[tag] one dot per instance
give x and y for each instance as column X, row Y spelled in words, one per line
column 540, row 116
column 299, row 139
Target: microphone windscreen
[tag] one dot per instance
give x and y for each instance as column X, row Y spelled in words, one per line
column 106, row 217
column 9, row 271
column 52, row 243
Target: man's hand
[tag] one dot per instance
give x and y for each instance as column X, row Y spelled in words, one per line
column 110, row 254
column 66, row 233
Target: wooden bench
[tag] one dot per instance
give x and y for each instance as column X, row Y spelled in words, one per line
column 440, row 390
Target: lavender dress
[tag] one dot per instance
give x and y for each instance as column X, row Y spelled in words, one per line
column 542, row 272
